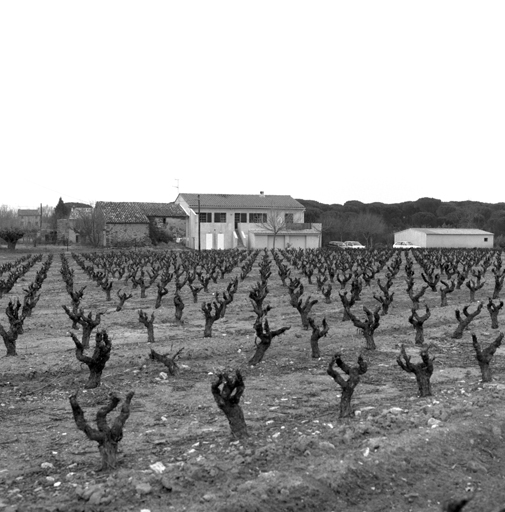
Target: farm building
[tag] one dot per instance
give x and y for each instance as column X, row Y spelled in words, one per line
column 445, row 237
column 129, row 222
column 66, row 228
column 226, row 221
column 29, row 219
column 35, row 225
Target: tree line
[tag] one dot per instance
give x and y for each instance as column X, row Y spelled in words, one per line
column 377, row 222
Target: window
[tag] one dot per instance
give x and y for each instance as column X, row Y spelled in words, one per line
column 485, row 239
column 241, row 217
column 257, row 218
column 288, row 218
column 205, row 217
column 219, row 217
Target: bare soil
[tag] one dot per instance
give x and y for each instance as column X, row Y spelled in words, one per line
column 398, row 453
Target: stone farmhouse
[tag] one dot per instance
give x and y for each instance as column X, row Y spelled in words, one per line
column 446, row 237
column 123, row 223
column 227, row 221
column 29, row 219
column 65, row 228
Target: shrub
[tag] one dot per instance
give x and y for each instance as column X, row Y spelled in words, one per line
column 159, row 235
column 499, row 241
column 11, row 236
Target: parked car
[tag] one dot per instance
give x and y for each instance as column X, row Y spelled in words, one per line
column 405, row 245
column 337, row 245
column 354, row 245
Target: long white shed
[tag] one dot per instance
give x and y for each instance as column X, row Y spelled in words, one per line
column 446, row 237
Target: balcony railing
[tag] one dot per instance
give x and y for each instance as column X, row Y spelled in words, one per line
column 298, row 226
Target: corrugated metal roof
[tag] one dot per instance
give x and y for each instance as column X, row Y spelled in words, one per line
column 241, row 201
column 449, row 231
column 137, row 213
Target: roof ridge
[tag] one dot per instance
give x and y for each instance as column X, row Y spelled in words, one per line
column 238, row 201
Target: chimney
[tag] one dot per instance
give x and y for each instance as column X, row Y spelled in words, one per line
column 262, row 194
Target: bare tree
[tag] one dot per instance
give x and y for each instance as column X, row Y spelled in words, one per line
column 89, row 225
column 336, row 226
column 275, row 222
column 47, row 216
column 8, row 216
column 368, row 226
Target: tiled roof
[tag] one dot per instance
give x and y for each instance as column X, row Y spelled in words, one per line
column 450, row 231
column 163, row 209
column 78, row 205
column 241, row 201
column 30, row 213
column 128, row 213
column 137, row 213
column 78, row 213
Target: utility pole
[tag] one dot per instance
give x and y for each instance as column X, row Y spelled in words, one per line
column 199, row 243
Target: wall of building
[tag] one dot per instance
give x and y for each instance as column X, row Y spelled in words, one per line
column 226, row 229
column 126, row 233
column 29, row 221
column 313, row 242
column 282, row 241
column 460, row 241
column 264, row 240
column 65, row 231
column 411, row 235
column 428, row 240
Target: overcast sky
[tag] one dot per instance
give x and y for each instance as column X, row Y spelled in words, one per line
column 333, row 101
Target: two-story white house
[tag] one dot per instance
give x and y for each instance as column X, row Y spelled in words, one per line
column 226, row 221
